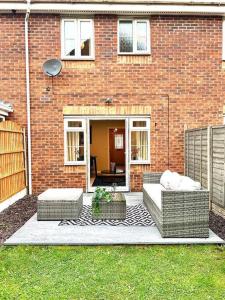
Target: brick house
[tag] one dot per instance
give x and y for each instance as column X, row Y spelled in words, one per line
column 134, row 75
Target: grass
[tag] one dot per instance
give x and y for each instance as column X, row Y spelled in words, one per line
column 122, row 272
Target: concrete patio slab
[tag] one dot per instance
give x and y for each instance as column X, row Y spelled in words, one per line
column 49, row 233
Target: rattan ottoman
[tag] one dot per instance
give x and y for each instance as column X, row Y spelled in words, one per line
column 59, row 204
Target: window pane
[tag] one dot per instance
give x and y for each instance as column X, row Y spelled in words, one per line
column 85, row 38
column 141, row 36
column 74, row 124
column 139, row 123
column 126, row 36
column 139, row 145
column 75, row 146
column 69, row 38
column 69, row 47
column 69, row 30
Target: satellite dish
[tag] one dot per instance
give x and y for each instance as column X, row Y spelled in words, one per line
column 52, row 67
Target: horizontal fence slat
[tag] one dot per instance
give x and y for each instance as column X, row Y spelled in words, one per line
column 12, row 152
column 8, row 175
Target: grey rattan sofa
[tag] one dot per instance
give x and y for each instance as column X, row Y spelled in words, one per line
column 180, row 213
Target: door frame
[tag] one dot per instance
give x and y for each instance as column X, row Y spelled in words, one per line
column 125, row 188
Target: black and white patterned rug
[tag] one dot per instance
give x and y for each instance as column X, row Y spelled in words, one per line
column 137, row 215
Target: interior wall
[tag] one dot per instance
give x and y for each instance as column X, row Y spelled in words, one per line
column 100, row 140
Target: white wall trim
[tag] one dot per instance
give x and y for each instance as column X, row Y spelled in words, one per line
column 5, row 204
column 193, row 8
column 223, row 40
column 27, row 66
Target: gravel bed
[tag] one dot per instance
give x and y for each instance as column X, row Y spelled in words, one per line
column 12, row 218
column 217, row 225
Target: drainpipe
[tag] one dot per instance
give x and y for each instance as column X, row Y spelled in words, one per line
column 28, row 97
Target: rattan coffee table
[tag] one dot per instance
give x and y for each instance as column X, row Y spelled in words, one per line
column 114, row 210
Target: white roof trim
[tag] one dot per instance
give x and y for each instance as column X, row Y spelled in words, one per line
column 5, row 108
column 120, row 9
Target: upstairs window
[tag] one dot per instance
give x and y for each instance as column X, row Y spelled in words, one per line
column 77, row 39
column 133, row 36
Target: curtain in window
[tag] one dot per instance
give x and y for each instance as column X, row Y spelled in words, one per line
column 143, row 145
column 73, row 146
column 139, row 145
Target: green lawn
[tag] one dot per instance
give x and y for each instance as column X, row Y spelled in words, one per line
column 122, row 272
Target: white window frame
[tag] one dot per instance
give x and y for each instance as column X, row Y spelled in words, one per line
column 223, row 39
column 74, row 129
column 77, row 55
column 147, row 129
column 135, row 51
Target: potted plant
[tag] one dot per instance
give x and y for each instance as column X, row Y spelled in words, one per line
column 134, row 153
column 106, row 205
column 100, row 194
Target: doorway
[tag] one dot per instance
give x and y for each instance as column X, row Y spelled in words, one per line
column 107, row 154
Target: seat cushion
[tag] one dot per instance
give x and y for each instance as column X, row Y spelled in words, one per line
column 60, row 194
column 154, row 192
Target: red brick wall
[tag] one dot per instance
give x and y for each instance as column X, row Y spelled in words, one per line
column 12, row 65
column 186, row 65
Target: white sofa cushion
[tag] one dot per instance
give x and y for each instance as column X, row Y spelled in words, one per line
column 165, row 179
column 154, row 191
column 174, row 181
column 188, row 184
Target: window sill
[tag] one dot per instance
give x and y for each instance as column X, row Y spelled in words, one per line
column 134, row 54
column 134, row 59
column 81, row 163
column 140, row 162
column 77, row 59
column 78, row 64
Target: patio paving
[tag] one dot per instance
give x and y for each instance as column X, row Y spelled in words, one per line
column 49, row 233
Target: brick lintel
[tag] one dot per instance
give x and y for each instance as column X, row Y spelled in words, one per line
column 108, row 110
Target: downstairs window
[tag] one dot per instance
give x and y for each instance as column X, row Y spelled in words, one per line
column 75, row 141
column 140, row 141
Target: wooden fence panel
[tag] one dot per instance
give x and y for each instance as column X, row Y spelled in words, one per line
column 12, row 159
column 196, row 155
column 218, row 166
